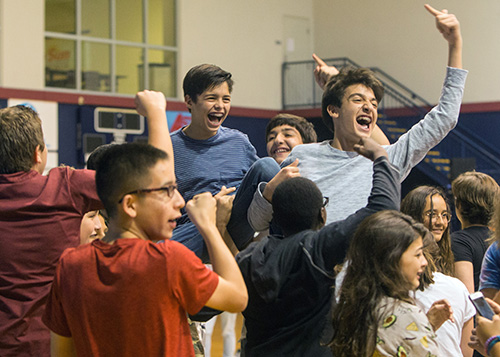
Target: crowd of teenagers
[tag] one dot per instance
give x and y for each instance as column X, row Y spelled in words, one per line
column 313, row 244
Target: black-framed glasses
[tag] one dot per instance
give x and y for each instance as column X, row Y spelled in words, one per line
column 325, row 201
column 169, row 190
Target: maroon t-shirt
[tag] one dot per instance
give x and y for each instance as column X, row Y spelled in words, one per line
column 129, row 298
column 39, row 218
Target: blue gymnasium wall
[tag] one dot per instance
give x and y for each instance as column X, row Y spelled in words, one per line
column 73, row 117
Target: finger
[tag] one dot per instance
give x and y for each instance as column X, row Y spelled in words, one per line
column 432, row 10
column 318, row 60
column 224, row 191
column 294, row 164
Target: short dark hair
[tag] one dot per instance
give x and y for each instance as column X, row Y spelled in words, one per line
column 297, row 204
column 475, row 194
column 203, row 77
column 336, row 86
column 95, row 156
column 20, row 134
column 305, row 128
column 124, row 168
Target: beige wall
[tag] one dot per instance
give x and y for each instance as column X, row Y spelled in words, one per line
column 22, row 44
column 400, row 38
column 240, row 36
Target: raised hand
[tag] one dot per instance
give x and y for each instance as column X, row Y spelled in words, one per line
column 323, row 72
column 201, row 210
column 446, row 23
column 370, row 149
column 148, row 100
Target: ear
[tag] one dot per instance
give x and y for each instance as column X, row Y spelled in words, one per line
column 189, row 101
column 333, row 111
column 129, row 205
column 322, row 218
column 37, row 156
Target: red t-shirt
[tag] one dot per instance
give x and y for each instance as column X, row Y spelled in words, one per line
column 39, row 218
column 129, row 298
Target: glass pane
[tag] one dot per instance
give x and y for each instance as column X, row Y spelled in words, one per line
column 60, row 16
column 95, row 18
column 60, row 63
column 162, row 70
column 96, row 66
column 129, row 61
column 161, row 22
column 129, row 17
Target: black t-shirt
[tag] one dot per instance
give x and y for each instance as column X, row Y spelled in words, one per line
column 470, row 245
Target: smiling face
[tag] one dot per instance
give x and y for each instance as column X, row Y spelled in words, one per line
column 356, row 118
column 208, row 112
column 413, row 262
column 156, row 212
column 281, row 140
column 436, row 215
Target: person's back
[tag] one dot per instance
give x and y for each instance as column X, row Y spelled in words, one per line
column 289, row 278
column 39, row 218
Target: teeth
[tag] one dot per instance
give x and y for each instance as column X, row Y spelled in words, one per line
column 281, row 150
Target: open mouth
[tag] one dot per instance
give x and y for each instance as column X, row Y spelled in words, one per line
column 364, row 122
column 215, row 118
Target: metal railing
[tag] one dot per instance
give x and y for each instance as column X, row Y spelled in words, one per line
column 301, row 91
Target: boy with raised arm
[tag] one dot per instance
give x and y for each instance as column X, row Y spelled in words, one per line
column 350, row 105
column 127, row 295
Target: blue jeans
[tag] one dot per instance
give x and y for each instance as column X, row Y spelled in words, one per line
column 263, row 170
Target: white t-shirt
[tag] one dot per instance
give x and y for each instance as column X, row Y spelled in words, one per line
column 452, row 289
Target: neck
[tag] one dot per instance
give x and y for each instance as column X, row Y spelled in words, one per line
column 121, row 231
column 196, row 133
column 342, row 144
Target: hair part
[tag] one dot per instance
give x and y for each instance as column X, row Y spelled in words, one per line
column 475, row 194
column 297, row 205
column 414, row 205
column 305, row 128
column 336, row 87
column 20, row 134
column 374, row 272
column 203, row 77
column 124, row 168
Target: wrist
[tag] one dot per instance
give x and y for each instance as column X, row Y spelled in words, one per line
column 491, row 343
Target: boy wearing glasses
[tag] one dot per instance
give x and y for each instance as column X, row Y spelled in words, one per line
column 131, row 294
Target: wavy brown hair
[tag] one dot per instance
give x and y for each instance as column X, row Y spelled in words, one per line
column 413, row 205
column 373, row 273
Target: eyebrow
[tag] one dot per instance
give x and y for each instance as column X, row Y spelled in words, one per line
column 361, row 95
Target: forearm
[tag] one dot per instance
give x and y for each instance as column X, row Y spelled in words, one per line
column 455, row 54
column 159, row 135
column 222, row 260
column 386, row 189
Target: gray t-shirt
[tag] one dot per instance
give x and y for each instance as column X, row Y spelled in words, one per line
column 345, row 177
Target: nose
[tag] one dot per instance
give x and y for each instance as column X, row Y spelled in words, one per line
column 218, row 103
column 97, row 222
column 179, row 200
column 424, row 262
column 279, row 138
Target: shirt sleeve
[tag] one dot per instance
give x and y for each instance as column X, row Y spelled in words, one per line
column 490, row 269
column 412, row 146
column 83, row 189
column 462, row 251
column 260, row 211
column 191, row 281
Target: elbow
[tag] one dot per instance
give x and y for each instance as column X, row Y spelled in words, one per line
column 240, row 301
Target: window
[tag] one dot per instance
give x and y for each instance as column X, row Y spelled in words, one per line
column 114, row 46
